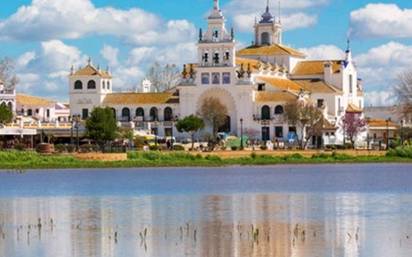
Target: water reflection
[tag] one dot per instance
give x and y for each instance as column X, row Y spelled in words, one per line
column 250, row 225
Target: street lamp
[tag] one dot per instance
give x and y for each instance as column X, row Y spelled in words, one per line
column 402, row 121
column 387, row 133
column 75, row 124
column 241, row 133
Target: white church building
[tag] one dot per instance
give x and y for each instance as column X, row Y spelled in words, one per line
column 254, row 83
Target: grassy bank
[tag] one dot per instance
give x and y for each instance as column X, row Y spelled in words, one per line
column 30, row 160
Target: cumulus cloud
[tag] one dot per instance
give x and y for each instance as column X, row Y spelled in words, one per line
column 110, row 54
column 379, row 98
column 381, row 20
column 62, row 19
column 380, row 67
column 44, row 72
column 244, row 13
column 323, row 52
column 245, row 22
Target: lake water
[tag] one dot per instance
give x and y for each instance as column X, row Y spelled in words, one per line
column 282, row 211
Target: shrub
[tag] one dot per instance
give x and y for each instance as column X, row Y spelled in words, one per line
column 60, row 148
column 263, row 147
column 19, row 147
column 296, row 156
column 253, row 155
column 320, row 156
column 178, row 147
column 139, row 142
column 402, row 151
column 213, row 158
column 234, row 148
column 71, row 148
column 154, row 147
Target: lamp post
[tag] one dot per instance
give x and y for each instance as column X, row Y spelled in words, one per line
column 402, row 121
column 75, row 124
column 241, row 133
column 71, row 131
column 387, row 133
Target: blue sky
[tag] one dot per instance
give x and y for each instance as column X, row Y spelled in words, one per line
column 46, row 37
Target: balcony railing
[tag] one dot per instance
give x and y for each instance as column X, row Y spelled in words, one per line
column 278, row 118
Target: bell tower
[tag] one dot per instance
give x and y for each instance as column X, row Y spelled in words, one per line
column 268, row 30
column 216, row 51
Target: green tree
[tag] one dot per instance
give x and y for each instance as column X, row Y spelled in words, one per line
column 101, row 126
column 307, row 117
column 190, row 124
column 214, row 113
column 6, row 114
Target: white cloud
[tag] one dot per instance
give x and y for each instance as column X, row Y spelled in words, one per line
column 380, row 67
column 25, row 59
column 379, row 98
column 381, row 20
column 245, row 22
column 110, row 54
column 244, row 6
column 62, row 19
column 244, row 13
column 323, row 52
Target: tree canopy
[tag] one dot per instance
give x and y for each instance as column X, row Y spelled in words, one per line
column 353, row 124
column 163, row 77
column 307, row 117
column 190, row 124
column 213, row 112
column 403, row 93
column 6, row 115
column 7, row 73
column 101, row 125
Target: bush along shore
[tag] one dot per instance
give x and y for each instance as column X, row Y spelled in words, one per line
column 19, row 160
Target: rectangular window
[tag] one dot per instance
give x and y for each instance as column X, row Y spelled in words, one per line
column 205, row 78
column 261, row 87
column 226, row 77
column 168, row 132
column 48, row 113
column 37, row 111
column 360, row 104
column 155, row 131
column 85, row 114
column 321, row 103
column 279, row 132
column 216, row 78
column 339, row 104
column 350, row 84
column 265, row 133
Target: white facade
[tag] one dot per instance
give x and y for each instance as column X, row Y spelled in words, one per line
column 254, row 84
column 8, row 96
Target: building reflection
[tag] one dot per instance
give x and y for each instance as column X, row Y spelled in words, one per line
column 249, row 225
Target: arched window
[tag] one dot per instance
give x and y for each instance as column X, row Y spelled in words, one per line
column 78, row 85
column 279, row 109
column 140, row 114
column 114, row 112
column 10, row 105
column 168, row 114
column 104, row 84
column 126, row 114
column 154, row 114
column 265, row 38
column 108, row 85
column 29, row 112
column 91, row 84
column 265, row 113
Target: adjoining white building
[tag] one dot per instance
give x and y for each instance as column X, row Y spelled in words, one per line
column 8, row 96
column 254, row 83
